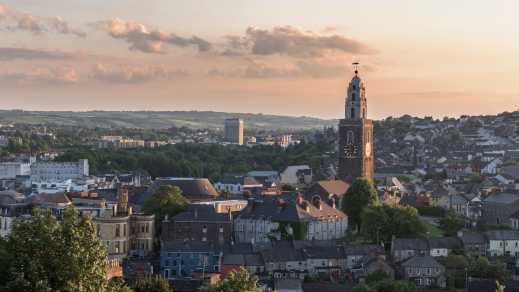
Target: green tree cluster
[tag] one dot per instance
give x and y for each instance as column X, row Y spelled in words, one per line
column 451, row 224
column 380, row 282
column 43, row 254
column 380, row 223
column 237, row 281
column 165, row 201
column 153, row 284
column 202, row 160
column 360, row 195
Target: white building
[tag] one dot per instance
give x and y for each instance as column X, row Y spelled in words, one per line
column 278, row 218
column 59, row 171
column 12, row 205
column 9, row 170
column 296, row 175
column 237, row 184
column 503, row 243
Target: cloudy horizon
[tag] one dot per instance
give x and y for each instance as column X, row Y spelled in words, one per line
column 292, row 58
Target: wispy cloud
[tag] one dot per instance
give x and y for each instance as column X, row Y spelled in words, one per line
column 46, row 75
column 142, row 38
column 9, row 54
column 134, row 74
column 14, row 20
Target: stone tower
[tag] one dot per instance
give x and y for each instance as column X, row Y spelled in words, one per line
column 355, row 134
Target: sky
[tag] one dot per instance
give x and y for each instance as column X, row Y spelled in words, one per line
column 292, row 57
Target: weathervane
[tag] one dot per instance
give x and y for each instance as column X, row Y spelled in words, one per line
column 356, row 66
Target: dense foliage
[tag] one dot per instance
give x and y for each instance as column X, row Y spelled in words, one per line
column 153, row 284
column 380, row 223
column 201, row 160
column 43, row 254
column 360, row 195
column 237, row 281
column 165, row 201
column 451, row 224
column 381, row 282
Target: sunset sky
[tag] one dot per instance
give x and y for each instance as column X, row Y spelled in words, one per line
column 290, row 57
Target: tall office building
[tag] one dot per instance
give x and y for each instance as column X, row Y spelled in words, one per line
column 356, row 134
column 234, row 131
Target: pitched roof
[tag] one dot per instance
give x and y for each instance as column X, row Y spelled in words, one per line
column 410, row 244
column 472, row 238
column 502, row 234
column 422, row 261
column 55, row 198
column 445, row 242
column 201, row 213
column 289, row 210
column 338, row 187
column 502, row 198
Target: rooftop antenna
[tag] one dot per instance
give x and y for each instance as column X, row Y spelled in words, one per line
column 356, row 66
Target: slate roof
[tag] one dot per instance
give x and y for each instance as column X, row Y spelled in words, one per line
column 410, row 244
column 362, row 249
column 445, row 242
column 422, row 261
column 502, row 234
column 282, row 251
column 289, row 210
column 471, row 238
column 502, row 198
column 201, row 213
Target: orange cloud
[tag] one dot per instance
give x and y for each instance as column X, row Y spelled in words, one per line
column 16, row 20
column 141, row 38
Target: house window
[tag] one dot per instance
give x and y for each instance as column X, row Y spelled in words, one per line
column 117, row 230
column 147, row 227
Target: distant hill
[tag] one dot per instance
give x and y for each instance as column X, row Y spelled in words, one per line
column 160, row 120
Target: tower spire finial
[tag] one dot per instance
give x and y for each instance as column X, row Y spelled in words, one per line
column 356, row 66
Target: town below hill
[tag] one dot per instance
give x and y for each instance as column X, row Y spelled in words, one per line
column 159, row 120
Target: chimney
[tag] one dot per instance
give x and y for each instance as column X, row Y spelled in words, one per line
column 316, row 201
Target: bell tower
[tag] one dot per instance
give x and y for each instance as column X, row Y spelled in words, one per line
column 355, row 134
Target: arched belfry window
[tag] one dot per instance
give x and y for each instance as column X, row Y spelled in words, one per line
column 350, row 138
column 352, row 113
column 353, row 96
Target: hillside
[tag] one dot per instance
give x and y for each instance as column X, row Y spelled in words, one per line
column 159, row 120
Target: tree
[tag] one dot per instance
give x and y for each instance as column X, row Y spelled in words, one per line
column 153, row 284
column 376, row 276
column 363, row 288
column 166, row 200
column 380, row 223
column 451, row 224
column 361, row 194
column 237, row 281
column 43, row 254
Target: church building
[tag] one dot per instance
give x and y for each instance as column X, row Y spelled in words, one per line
column 356, row 134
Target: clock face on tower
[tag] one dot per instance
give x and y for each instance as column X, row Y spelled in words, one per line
column 368, row 149
column 350, row 150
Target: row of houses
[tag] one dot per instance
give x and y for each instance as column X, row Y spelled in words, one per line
column 493, row 243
